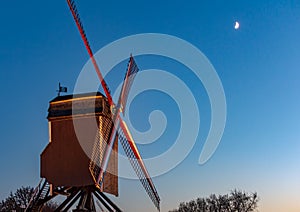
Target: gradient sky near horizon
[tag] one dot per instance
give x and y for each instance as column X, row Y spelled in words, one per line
column 258, row 65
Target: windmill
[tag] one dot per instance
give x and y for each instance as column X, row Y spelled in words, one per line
column 63, row 157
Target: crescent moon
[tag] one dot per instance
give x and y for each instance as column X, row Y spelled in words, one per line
column 237, row 25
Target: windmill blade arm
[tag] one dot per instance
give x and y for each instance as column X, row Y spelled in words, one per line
column 131, row 72
column 137, row 163
column 79, row 25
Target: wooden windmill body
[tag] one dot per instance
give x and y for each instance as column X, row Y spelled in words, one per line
column 66, row 159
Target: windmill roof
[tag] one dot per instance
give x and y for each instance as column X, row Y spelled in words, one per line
column 74, row 96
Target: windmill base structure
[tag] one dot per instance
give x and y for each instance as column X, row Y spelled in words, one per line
column 84, row 197
column 65, row 162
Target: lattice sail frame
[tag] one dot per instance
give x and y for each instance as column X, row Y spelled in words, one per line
column 100, row 144
column 118, row 126
column 106, row 127
column 132, row 70
column 135, row 163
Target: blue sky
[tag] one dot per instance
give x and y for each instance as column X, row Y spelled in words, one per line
column 257, row 64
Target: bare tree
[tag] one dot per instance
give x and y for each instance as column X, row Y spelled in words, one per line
column 22, row 196
column 236, row 201
column 242, row 202
column 9, row 203
column 17, row 201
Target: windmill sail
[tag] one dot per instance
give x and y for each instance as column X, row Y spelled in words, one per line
column 102, row 153
column 108, row 131
column 104, row 143
column 132, row 70
column 137, row 163
column 100, row 145
column 131, row 151
column 79, row 25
